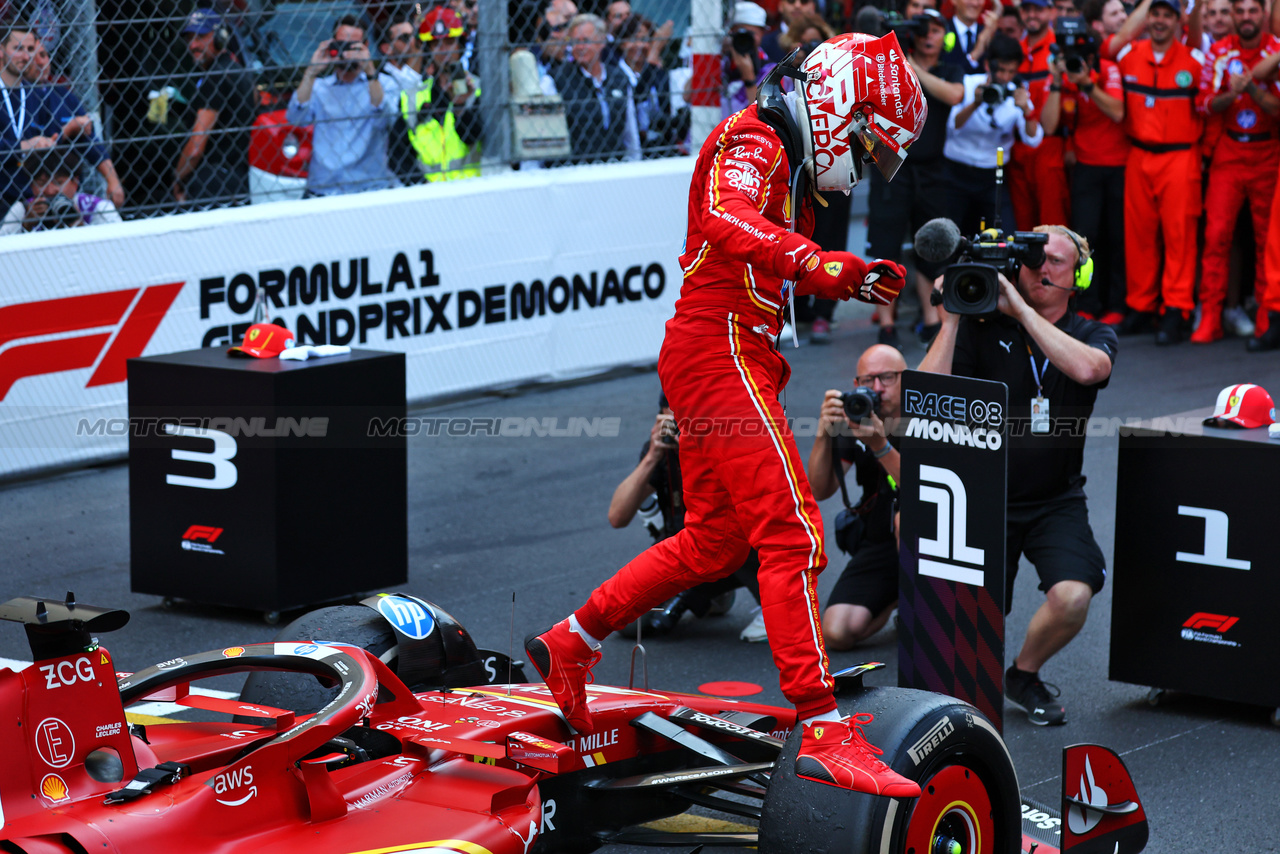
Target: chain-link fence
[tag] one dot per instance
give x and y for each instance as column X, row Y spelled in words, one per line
column 139, row 108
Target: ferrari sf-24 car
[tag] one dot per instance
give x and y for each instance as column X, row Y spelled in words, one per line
column 382, row 728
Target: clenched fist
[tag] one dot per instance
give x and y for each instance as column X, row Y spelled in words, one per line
column 831, row 275
column 882, row 282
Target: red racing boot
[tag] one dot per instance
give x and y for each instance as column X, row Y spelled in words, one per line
column 836, row 753
column 564, row 660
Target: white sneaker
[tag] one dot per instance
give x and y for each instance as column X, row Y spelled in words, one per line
column 1236, row 321
column 755, row 631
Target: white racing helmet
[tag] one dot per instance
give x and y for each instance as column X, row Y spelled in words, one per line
column 859, row 100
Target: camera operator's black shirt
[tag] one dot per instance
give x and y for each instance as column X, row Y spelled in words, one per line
column 877, row 495
column 1045, row 466
column 227, row 87
column 934, row 134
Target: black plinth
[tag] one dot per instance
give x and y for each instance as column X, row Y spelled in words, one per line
column 1195, row 570
column 266, row 484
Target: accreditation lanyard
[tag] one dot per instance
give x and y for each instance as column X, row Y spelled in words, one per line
column 1039, row 403
column 18, row 121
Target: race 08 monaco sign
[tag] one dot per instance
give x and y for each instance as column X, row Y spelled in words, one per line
column 951, row 584
column 486, row 283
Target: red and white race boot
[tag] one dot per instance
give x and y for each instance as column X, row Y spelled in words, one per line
column 836, row 753
column 564, row 660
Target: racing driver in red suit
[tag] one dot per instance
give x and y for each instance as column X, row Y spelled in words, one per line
column 746, row 256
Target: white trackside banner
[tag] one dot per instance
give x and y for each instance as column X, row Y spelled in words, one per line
column 532, row 276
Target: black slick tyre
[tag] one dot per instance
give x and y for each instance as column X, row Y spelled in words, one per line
column 969, row 787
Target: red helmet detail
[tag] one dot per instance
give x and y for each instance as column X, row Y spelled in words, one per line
column 864, row 103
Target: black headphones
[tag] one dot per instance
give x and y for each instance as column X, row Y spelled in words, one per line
column 221, row 36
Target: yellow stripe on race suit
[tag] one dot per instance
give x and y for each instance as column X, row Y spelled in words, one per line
column 797, row 496
column 698, row 259
column 749, row 279
column 768, row 180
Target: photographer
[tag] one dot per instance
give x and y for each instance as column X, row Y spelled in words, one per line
column 745, row 64
column 351, row 112
column 442, row 113
column 867, row 590
column 1086, row 95
column 56, row 200
column 993, row 110
column 656, row 491
column 1050, row 358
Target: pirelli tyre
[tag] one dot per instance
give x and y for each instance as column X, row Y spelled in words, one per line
column 969, row 803
column 352, row 624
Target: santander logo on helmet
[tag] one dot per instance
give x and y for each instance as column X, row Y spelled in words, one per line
column 863, row 102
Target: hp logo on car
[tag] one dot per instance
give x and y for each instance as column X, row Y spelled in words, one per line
column 410, row 617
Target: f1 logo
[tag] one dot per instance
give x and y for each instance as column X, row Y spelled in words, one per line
column 1215, row 540
column 225, row 473
column 944, row 489
column 202, row 532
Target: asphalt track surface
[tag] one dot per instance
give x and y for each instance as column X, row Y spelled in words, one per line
column 489, row 517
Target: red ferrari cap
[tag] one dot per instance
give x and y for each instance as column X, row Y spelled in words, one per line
column 263, row 341
column 1244, row 405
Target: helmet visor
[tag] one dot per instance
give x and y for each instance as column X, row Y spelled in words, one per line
column 882, row 150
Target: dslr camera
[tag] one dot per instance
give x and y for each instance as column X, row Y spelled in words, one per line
column 972, row 285
column 1074, row 42
column 879, row 22
column 743, row 42
column 860, row 403
column 994, row 93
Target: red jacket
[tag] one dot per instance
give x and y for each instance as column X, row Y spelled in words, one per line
column 739, row 249
column 1159, row 108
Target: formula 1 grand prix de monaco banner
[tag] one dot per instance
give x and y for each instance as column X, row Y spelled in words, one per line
column 525, row 277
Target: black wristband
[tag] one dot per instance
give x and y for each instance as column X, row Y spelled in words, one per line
column 1086, row 88
column 1055, row 88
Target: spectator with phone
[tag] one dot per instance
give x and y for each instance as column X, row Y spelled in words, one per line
column 213, row 168
column 442, row 113
column 994, row 110
column 641, row 62
column 351, row 111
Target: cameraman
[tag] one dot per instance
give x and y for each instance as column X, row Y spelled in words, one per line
column 655, row 488
column 442, row 113
column 1052, row 358
column 993, row 109
column 912, row 199
column 1089, row 102
column 867, row 590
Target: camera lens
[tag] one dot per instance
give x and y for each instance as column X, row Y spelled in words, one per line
column 970, row 289
column 1075, row 64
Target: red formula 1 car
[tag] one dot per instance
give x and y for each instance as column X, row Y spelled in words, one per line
column 347, row 757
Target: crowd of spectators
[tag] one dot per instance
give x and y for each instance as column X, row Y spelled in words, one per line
column 1155, row 172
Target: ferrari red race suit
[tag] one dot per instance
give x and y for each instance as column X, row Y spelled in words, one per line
column 744, row 480
column 1243, row 167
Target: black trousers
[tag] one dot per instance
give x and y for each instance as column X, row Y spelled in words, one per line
column 1097, row 212
column 969, row 196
